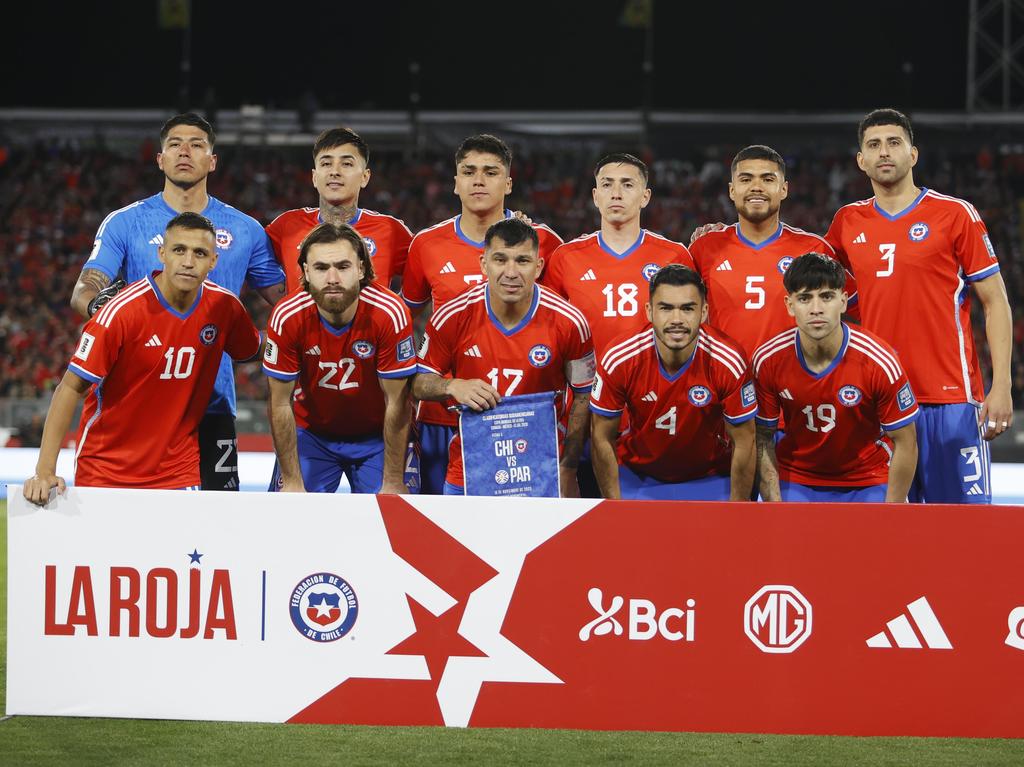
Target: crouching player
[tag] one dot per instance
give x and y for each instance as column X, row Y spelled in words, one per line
column 838, row 388
column 146, row 365
column 690, row 398
column 348, row 344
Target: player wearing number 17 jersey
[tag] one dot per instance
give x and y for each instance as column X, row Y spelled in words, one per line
column 838, row 388
column 147, row 362
column 690, row 399
column 915, row 253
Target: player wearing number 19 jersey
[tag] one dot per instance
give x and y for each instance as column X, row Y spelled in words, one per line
column 914, row 253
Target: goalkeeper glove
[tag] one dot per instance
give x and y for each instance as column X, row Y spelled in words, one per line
column 105, row 295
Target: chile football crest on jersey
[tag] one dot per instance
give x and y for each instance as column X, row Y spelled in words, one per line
column 649, row 271
column 208, row 334
column 371, row 246
column 918, row 231
column 224, row 239
column 363, row 349
column 850, row 395
column 323, row 607
column 699, row 395
column 783, row 265
column 540, row 355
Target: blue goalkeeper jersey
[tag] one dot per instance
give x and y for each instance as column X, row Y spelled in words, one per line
column 126, row 245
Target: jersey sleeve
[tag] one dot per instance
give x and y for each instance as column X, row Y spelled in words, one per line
column 243, row 341
column 973, row 247
column 435, row 354
column 897, row 405
column 281, row 355
column 552, row 276
column 97, row 350
column 415, row 288
column 275, row 234
column 110, row 249
column 264, row 269
column 402, row 238
column 834, row 238
column 579, row 360
column 396, row 350
column 681, row 255
column 739, row 399
column 608, row 396
column 768, row 406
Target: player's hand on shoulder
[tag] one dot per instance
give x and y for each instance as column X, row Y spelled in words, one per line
column 473, row 393
column 522, row 217
column 700, row 231
column 37, row 488
column 105, row 295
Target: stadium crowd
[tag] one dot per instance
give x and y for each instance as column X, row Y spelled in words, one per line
column 53, row 196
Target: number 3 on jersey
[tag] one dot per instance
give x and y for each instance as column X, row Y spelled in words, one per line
column 888, row 251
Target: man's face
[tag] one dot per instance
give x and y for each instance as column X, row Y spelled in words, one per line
column 817, row 312
column 481, row 182
column 511, row 270
column 620, row 192
column 886, row 155
column 676, row 312
column 187, row 255
column 758, row 189
column 339, row 173
column 186, row 157
column 333, row 271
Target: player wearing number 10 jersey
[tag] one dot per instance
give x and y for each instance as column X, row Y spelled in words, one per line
column 838, row 389
column 914, row 253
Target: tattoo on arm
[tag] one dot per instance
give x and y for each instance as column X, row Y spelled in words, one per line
column 90, row 282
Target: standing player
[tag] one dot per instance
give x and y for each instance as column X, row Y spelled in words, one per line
column 838, row 388
column 348, row 344
column 508, row 336
column 127, row 243
column 444, row 260
column 148, row 360
column 340, row 171
column 914, row 252
column 688, row 392
column 743, row 264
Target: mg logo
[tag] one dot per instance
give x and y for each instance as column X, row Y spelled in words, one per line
column 1015, row 623
column 777, row 619
column 643, row 620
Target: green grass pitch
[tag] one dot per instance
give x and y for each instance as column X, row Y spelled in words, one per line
column 28, row 740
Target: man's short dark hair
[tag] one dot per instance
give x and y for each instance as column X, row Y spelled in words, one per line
column 758, row 152
column 814, row 271
column 512, row 232
column 485, row 143
column 622, row 158
column 326, row 234
column 676, row 274
column 189, row 220
column 188, row 118
column 884, row 117
column 333, row 137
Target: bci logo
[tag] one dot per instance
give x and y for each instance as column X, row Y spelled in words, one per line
column 643, row 620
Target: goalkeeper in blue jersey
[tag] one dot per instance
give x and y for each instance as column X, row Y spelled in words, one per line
column 126, row 250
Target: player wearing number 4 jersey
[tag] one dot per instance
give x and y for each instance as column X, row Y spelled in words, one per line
column 348, row 344
column 838, row 388
column 509, row 336
column 148, row 360
column 690, row 399
column 914, row 253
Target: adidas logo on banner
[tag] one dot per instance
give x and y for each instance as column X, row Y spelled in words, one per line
column 154, row 341
column 725, row 266
column 650, row 397
column 902, row 630
column 473, row 351
column 448, row 268
column 785, row 394
column 975, row 490
column 588, row 275
column 158, row 240
column 860, row 239
column 313, row 350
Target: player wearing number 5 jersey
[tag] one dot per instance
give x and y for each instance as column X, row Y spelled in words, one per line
column 348, row 345
column 509, row 336
column 838, row 389
column 914, row 253
column 690, row 399
column 146, row 364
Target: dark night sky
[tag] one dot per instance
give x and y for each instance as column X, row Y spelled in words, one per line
column 778, row 56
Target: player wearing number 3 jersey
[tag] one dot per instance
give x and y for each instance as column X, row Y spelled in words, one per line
column 146, row 364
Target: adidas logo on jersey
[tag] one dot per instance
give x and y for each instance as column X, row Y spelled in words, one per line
column 785, row 394
column 473, row 351
column 975, row 490
column 154, row 341
column 650, row 397
column 588, row 275
column 725, row 266
column 902, row 630
column 448, row 268
column 158, row 240
column 860, row 239
column 313, row 350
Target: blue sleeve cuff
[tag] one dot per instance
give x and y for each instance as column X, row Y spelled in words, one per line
column 604, row 411
column 280, row 376
column 982, row 274
column 902, row 422
column 84, row 374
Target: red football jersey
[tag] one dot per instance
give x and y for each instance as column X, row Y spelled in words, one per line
column 834, row 419
column 153, row 370
column 746, row 297
column 386, row 237
column 339, row 395
column 611, row 288
column 444, row 262
column 550, row 349
column 913, row 270
column 677, row 432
